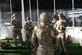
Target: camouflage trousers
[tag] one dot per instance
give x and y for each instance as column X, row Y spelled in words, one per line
column 48, row 50
column 28, row 38
column 15, row 34
column 34, row 50
column 61, row 43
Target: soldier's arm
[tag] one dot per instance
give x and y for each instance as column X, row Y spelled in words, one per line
column 12, row 22
column 55, row 25
column 34, row 39
column 31, row 26
column 52, row 22
column 55, row 33
column 65, row 25
column 25, row 26
column 54, row 30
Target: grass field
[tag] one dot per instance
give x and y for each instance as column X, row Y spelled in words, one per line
column 73, row 49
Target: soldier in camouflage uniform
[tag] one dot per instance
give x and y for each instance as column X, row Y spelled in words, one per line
column 16, row 29
column 60, row 26
column 54, row 19
column 43, row 36
column 29, row 28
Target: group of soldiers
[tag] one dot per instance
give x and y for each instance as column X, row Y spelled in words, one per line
column 45, row 36
column 17, row 30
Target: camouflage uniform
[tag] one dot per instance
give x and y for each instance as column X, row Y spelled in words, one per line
column 16, row 29
column 43, row 36
column 54, row 20
column 29, row 28
column 61, row 28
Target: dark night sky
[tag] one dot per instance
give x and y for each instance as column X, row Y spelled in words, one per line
column 44, row 4
column 48, row 4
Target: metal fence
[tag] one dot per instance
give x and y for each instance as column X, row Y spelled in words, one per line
column 6, row 16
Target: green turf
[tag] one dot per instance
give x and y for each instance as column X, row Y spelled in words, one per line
column 73, row 49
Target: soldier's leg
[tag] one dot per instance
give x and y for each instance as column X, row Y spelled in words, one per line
column 50, row 51
column 59, row 45
column 16, row 41
column 15, row 36
column 34, row 50
column 26, row 38
column 63, row 45
column 20, row 37
column 30, row 44
column 41, row 51
column 56, row 44
column 28, row 41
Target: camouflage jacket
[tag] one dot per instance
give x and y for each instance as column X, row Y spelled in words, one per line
column 44, row 36
column 28, row 26
column 61, row 25
column 16, row 24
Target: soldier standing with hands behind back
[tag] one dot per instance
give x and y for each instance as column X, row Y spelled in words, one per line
column 16, row 29
column 43, row 36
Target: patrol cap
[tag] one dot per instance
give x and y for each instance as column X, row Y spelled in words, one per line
column 44, row 16
column 28, row 18
column 60, row 14
column 14, row 15
column 54, row 16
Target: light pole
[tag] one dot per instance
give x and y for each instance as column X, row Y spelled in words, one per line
column 11, row 8
column 30, row 9
column 0, row 15
column 37, row 12
column 73, row 12
column 54, row 8
column 23, row 14
column 23, row 19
